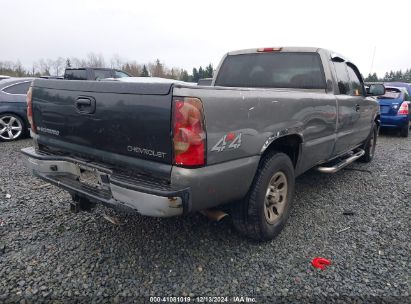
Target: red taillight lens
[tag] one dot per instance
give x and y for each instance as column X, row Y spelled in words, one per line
column 30, row 110
column 403, row 110
column 189, row 136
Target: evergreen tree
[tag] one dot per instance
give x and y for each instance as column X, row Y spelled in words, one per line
column 386, row 77
column 372, row 78
column 407, row 75
column 68, row 63
column 200, row 72
column 144, row 72
column 184, row 76
column 196, row 76
column 158, row 69
column 209, row 71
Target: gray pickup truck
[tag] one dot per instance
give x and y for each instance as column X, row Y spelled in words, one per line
column 168, row 148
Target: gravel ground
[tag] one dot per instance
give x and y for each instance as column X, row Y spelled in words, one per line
column 47, row 252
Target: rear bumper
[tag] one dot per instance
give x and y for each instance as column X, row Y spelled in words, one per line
column 397, row 121
column 189, row 189
column 148, row 196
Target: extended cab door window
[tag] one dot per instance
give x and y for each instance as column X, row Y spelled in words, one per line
column 120, row 74
column 102, row 74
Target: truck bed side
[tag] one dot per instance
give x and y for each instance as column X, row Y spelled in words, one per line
column 263, row 115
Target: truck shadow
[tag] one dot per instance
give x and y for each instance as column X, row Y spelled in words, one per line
column 176, row 248
column 195, row 234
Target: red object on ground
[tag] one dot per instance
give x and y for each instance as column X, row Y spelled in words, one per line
column 321, row 263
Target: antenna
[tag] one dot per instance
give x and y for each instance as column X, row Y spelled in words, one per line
column 372, row 62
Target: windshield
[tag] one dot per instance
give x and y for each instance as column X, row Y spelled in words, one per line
column 272, row 70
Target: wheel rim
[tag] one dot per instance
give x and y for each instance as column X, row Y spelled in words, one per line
column 275, row 197
column 10, row 127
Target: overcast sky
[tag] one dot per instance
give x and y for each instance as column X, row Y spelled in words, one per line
column 188, row 34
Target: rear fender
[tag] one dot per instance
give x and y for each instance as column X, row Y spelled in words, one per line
column 284, row 141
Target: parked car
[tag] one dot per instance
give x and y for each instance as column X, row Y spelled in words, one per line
column 4, row 77
column 93, row 73
column 170, row 148
column 395, row 106
column 400, row 85
column 13, row 108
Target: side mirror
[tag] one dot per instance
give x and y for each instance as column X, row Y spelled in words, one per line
column 376, row 90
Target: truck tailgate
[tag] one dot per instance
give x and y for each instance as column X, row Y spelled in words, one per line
column 105, row 120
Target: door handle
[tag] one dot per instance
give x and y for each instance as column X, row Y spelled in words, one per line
column 357, row 107
column 82, row 102
column 85, row 105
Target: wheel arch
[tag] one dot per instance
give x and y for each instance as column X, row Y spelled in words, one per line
column 288, row 144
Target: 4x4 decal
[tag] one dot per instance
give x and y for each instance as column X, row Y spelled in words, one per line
column 228, row 141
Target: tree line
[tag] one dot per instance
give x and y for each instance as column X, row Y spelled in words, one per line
column 47, row 67
column 391, row 76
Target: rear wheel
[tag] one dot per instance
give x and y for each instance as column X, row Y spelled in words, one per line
column 369, row 146
column 265, row 210
column 11, row 127
column 405, row 130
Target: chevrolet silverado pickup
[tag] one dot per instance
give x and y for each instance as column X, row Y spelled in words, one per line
column 166, row 148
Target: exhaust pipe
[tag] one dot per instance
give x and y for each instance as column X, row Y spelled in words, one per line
column 214, row 214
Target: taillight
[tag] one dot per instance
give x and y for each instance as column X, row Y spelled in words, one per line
column 189, row 136
column 30, row 109
column 271, row 49
column 403, row 110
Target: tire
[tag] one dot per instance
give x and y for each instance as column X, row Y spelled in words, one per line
column 405, row 130
column 12, row 127
column 252, row 216
column 369, row 146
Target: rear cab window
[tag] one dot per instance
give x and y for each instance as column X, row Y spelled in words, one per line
column 78, row 74
column 20, row 88
column 272, row 70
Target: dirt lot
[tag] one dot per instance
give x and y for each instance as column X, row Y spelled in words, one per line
column 46, row 252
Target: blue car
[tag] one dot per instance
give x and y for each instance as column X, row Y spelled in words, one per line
column 13, row 108
column 395, row 108
column 405, row 85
